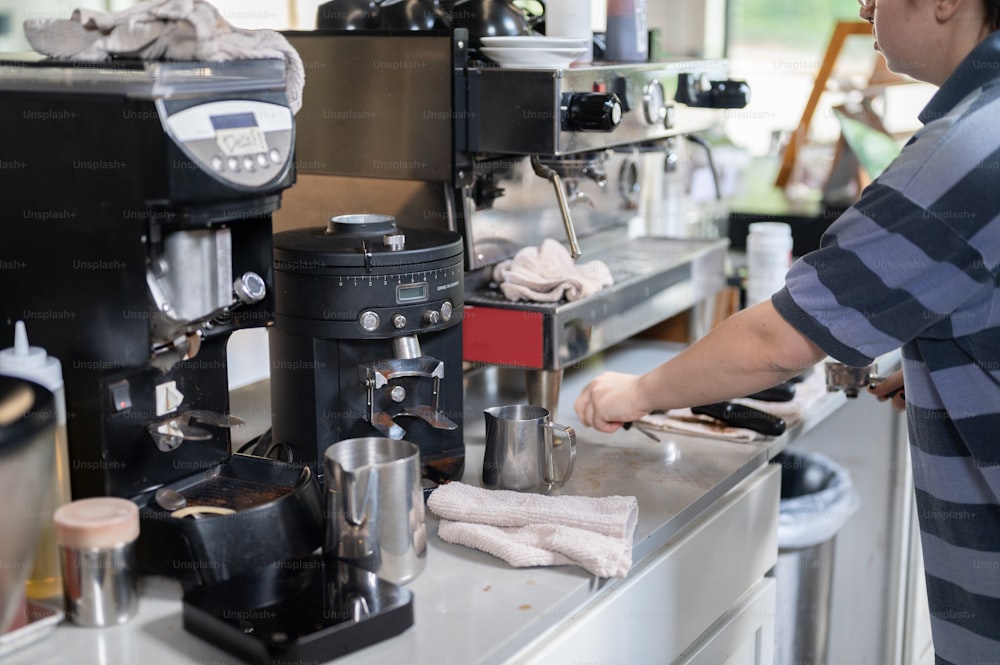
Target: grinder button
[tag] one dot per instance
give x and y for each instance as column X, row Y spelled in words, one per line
column 369, row 320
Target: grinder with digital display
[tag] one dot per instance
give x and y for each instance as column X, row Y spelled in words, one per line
column 137, row 213
column 367, row 340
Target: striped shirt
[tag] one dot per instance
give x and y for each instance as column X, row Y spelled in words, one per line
column 914, row 265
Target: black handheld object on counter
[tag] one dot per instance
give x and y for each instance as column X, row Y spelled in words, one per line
column 783, row 392
column 739, row 415
column 629, row 425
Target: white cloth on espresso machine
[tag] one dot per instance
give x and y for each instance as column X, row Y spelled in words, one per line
column 548, row 274
column 163, row 30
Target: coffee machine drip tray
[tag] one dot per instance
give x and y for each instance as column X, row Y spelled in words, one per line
column 307, row 610
column 655, row 278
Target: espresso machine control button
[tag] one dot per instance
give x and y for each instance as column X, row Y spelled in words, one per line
column 446, row 311
column 432, row 316
column 669, row 116
column 591, row 112
column 369, row 321
column 249, row 288
column 394, row 241
column 121, row 397
column 168, row 397
column 654, row 107
column 398, row 321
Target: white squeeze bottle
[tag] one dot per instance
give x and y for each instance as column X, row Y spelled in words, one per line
column 33, row 363
column 769, row 256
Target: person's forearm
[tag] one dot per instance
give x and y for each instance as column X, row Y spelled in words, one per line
column 752, row 350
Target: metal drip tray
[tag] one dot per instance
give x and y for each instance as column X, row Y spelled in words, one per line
column 655, row 278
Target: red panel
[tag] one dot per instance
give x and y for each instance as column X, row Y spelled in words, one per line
column 502, row 336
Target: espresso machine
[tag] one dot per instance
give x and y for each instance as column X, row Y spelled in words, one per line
column 439, row 138
column 136, row 238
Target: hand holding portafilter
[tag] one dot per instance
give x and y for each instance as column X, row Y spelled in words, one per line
column 851, row 379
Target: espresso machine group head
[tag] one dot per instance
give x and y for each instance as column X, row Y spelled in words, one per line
column 136, row 238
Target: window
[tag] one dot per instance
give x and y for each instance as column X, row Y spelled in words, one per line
column 778, row 47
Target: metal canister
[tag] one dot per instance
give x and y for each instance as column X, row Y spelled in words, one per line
column 97, row 547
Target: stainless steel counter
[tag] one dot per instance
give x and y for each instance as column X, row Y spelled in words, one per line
column 469, row 607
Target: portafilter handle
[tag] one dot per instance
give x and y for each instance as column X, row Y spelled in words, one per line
column 850, row 379
column 553, row 177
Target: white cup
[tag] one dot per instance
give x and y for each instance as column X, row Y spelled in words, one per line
column 769, row 255
column 570, row 18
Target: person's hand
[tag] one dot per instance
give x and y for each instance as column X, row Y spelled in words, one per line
column 609, row 401
column 891, row 389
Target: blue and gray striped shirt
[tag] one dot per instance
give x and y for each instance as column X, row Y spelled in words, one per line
column 914, row 265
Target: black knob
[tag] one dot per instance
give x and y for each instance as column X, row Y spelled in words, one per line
column 591, row 112
column 698, row 91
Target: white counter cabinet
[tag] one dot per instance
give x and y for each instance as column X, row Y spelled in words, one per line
column 701, row 598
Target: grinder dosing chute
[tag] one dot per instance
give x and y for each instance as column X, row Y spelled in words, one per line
column 367, row 339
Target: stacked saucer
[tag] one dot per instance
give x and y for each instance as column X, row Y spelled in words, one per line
column 534, row 52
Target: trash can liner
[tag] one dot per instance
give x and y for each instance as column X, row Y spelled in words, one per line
column 813, row 514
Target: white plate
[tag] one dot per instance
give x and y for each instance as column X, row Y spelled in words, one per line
column 533, row 58
column 535, row 42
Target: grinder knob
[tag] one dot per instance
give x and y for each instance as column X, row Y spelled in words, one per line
column 249, row 288
column 591, row 112
column 394, row 241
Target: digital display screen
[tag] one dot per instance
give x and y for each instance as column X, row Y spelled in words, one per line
column 238, row 134
column 233, row 121
column 411, row 292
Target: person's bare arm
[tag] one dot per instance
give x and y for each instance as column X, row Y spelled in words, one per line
column 752, row 350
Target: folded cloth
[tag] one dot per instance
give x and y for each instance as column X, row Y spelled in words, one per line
column 523, row 529
column 548, row 274
column 683, row 421
column 163, row 30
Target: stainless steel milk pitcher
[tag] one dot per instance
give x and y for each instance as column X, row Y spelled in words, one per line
column 375, row 507
column 520, row 449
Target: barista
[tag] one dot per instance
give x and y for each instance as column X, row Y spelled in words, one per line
column 912, row 265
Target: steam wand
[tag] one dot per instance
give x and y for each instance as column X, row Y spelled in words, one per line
column 553, row 177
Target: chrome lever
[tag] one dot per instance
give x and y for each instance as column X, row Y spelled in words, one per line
column 434, row 418
column 169, row 434
column 553, row 177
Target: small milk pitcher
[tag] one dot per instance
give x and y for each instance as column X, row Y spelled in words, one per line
column 520, row 449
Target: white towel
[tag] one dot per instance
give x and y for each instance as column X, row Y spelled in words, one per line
column 163, row 30
column 525, row 529
column 683, row 421
column 548, row 274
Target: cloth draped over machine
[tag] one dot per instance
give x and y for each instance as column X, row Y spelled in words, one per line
column 163, row 30
column 549, row 274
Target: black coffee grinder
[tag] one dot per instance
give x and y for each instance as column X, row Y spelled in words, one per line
column 135, row 235
column 367, row 340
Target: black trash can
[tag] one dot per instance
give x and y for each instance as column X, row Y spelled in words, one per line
column 817, row 498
